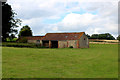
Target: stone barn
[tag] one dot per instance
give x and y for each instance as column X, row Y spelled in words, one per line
column 61, row 40
column 33, row 39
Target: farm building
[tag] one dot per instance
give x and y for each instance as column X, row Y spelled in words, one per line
column 61, row 40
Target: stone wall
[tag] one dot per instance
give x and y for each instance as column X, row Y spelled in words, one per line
column 67, row 43
column 39, row 42
column 32, row 41
column 83, row 42
column 62, row 44
column 72, row 43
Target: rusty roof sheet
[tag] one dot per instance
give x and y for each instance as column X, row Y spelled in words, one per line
column 63, row 36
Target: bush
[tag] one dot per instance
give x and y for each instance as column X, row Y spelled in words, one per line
column 23, row 40
column 16, row 44
column 38, row 45
column 13, row 40
column 28, row 45
column 71, row 47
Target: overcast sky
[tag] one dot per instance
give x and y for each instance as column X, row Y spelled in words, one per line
column 88, row 16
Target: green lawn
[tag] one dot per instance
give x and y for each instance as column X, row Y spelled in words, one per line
column 99, row 61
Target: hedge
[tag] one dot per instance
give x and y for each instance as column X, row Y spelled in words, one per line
column 8, row 44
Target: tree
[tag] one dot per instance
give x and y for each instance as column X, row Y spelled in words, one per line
column 94, row 36
column 9, row 22
column 106, row 36
column 102, row 36
column 118, row 38
column 25, row 31
column 109, row 36
column 88, row 36
column 11, row 37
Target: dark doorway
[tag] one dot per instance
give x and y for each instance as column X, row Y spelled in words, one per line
column 46, row 44
column 54, row 44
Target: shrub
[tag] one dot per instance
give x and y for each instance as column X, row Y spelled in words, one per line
column 38, row 45
column 71, row 47
column 29, row 45
column 23, row 40
column 13, row 40
column 43, row 47
column 8, row 44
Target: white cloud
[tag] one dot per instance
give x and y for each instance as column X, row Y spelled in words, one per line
column 78, row 19
column 92, row 24
column 93, row 16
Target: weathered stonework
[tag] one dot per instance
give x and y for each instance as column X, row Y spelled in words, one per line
column 32, row 41
column 83, row 42
column 61, row 40
column 62, row 44
column 72, row 43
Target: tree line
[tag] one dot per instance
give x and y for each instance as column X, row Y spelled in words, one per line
column 107, row 36
column 10, row 23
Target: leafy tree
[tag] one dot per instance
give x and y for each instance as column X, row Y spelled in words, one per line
column 25, row 31
column 88, row 36
column 106, row 36
column 110, row 37
column 94, row 36
column 9, row 22
column 102, row 36
column 11, row 37
column 118, row 38
column 23, row 40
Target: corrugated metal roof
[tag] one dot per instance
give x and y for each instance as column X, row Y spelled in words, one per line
column 63, row 36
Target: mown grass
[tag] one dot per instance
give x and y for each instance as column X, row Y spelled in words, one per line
column 98, row 61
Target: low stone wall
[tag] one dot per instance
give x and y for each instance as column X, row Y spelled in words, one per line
column 32, row 41
column 84, row 42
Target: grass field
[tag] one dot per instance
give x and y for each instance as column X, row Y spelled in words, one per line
column 99, row 61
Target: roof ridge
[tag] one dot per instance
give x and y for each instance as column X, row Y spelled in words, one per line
column 65, row 32
column 34, row 36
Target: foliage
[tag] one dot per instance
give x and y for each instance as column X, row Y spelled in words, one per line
column 9, row 22
column 88, row 36
column 94, row 36
column 71, row 47
column 9, row 44
column 13, row 40
column 29, row 45
column 11, row 37
column 118, row 38
column 98, row 61
column 106, row 36
column 23, row 40
column 102, row 36
column 25, row 31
